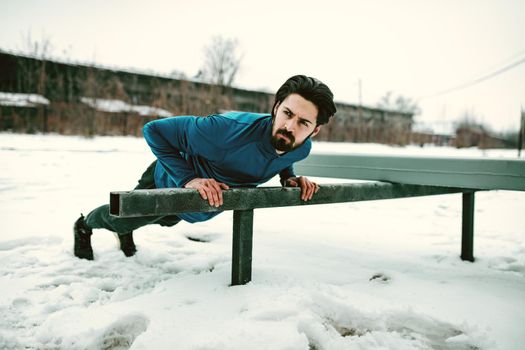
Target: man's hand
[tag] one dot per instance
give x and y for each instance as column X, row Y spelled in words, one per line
column 308, row 188
column 209, row 189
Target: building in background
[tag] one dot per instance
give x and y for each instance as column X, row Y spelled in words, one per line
column 40, row 95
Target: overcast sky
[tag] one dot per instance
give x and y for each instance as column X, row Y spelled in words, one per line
column 413, row 48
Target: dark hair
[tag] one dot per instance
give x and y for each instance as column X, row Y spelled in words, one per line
column 312, row 90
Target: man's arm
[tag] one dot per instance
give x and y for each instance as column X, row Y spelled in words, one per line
column 308, row 188
column 168, row 137
column 285, row 174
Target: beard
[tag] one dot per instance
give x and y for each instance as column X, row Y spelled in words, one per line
column 281, row 144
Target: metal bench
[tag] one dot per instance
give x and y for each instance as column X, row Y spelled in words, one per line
column 399, row 177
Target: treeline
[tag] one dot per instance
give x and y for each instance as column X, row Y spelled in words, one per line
column 68, row 86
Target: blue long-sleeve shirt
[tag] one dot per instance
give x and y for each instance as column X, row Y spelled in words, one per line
column 233, row 148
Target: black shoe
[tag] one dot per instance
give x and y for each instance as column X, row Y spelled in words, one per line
column 126, row 244
column 82, row 234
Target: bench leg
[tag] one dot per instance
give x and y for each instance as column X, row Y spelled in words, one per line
column 242, row 246
column 467, row 242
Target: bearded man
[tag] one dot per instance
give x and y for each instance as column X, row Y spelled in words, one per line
column 214, row 153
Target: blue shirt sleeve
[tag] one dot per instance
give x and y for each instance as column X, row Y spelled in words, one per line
column 286, row 173
column 171, row 138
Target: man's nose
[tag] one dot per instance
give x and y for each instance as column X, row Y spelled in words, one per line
column 289, row 125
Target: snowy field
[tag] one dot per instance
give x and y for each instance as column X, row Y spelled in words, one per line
column 368, row 275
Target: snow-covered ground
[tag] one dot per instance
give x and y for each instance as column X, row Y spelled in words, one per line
column 368, row 275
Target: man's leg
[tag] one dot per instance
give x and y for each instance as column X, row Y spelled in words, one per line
column 123, row 227
column 100, row 218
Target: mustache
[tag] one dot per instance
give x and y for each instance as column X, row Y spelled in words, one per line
column 287, row 134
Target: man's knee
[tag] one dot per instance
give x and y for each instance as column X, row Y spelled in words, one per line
column 169, row 220
column 97, row 217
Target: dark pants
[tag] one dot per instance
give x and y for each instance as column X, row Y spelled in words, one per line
column 100, row 218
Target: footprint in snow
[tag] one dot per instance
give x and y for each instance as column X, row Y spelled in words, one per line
column 408, row 328
column 201, row 238
column 380, row 277
column 121, row 334
column 198, row 239
column 338, row 324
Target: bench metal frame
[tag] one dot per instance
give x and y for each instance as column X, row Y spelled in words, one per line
column 400, row 177
column 243, row 201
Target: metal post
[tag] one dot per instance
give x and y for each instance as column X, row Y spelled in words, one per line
column 242, row 246
column 467, row 242
column 522, row 132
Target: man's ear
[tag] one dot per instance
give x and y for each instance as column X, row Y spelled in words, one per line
column 275, row 108
column 316, row 130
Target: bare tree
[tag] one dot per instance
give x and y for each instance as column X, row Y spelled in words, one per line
column 36, row 78
column 221, row 61
column 400, row 104
column 178, row 74
column 39, row 48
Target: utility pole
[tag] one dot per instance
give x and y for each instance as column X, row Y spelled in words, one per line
column 360, row 113
column 522, row 131
column 360, row 93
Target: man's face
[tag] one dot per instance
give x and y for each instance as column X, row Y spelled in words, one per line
column 294, row 121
